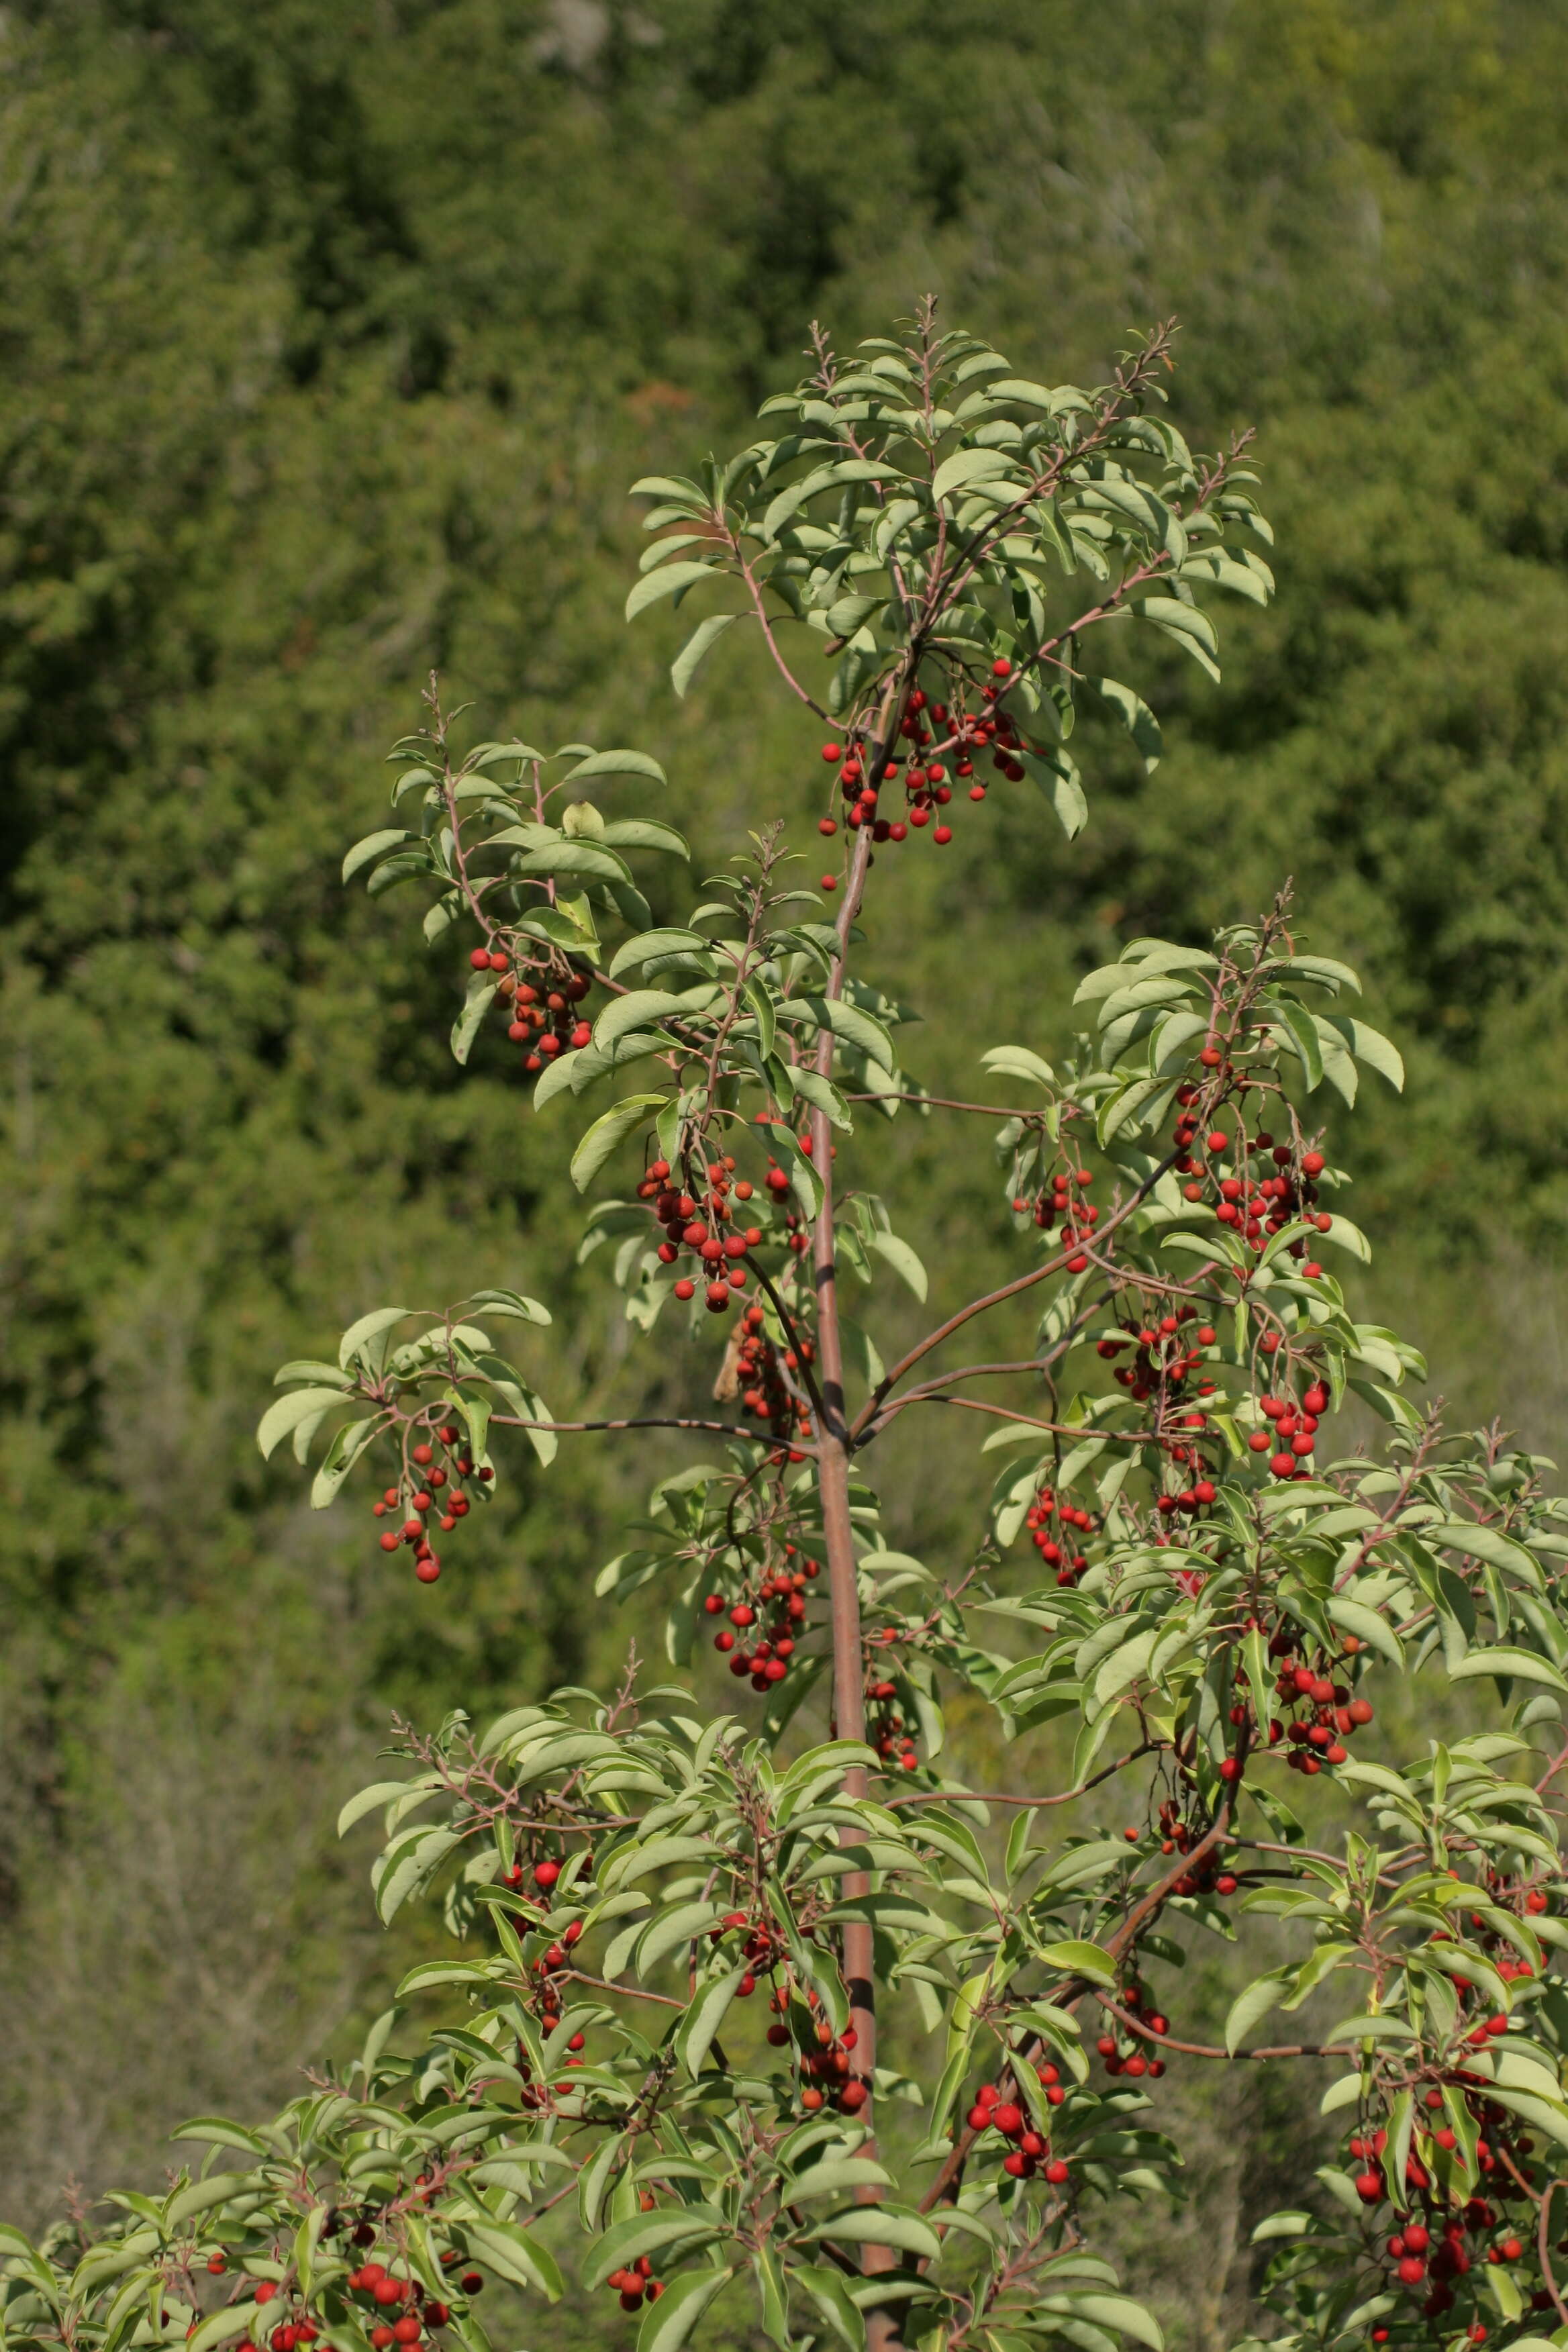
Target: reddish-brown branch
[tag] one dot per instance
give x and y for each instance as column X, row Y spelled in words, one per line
column 1009, row 1290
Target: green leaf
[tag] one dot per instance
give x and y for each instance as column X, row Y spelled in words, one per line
column 833, row 2178
column 605, row 1133
column 1484, row 1543
column 224, row 2326
column 903, row 1259
column 695, row 2034
column 646, row 945
column 348, row 1443
column 517, row 2254
column 383, row 1792
column 1135, row 716
column 827, row 2291
column 1017, row 1062
column 287, row 1411
column 1367, row 1625
column 1259, row 1997
column 1117, row 2310
column 1058, row 777
column 673, row 1928
column 1370, row 1045
column 479, row 999
column 1081, row 1959
column 635, row 1009
column 1507, row 1660
column 886, row 2225
column 370, row 1326
column 1186, row 620
column 823, row 1095
column 667, row 2324
column 670, row 580
column 705, row 636
column 649, row 2233
column 967, row 465
column 644, row 832
column 374, row 845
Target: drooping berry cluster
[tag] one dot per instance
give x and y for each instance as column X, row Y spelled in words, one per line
column 765, row 1653
column 1028, row 2148
column 701, row 1220
column 430, row 1489
column 1079, row 1217
column 1056, row 1526
column 933, row 732
column 540, row 999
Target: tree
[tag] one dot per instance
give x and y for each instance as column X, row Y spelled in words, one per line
column 705, row 1949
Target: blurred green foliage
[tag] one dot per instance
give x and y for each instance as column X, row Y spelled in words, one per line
column 330, row 339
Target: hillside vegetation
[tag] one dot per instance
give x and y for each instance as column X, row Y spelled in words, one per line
column 331, row 338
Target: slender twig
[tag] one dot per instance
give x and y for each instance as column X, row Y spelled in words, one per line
column 1008, row 1290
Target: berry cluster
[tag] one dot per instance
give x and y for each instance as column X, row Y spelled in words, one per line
column 760, row 1370
column 1079, row 1218
column 1212, row 1875
column 765, row 1655
column 827, row 2075
column 542, row 1010
column 1255, row 1205
column 1435, row 2244
column 1164, row 1361
column 384, row 2292
column 885, row 1729
column 1029, row 2150
column 635, row 2284
column 1328, row 1712
column 1056, row 1525
column 430, row 1487
column 695, row 1219
column 931, row 731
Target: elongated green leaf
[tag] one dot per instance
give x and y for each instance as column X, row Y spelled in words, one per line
column 968, row 465
column 223, row 2326
column 382, row 1792
column 1370, row 1046
column 650, row 2233
column 374, row 845
column 887, row 2225
column 1081, row 1959
column 1135, row 716
column 371, row 1326
column 668, row 2323
column 347, row 1444
column 287, row 1411
column 1255, row 2002
column 834, row 2177
column 637, row 1008
column 605, row 1133
column 698, row 646
column 479, row 999
column 670, row 580
column 517, row 2254
column 827, row 2291
column 695, row 2034
column 1524, row 1664
column 903, row 1261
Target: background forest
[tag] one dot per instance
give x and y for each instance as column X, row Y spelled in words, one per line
column 329, row 340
